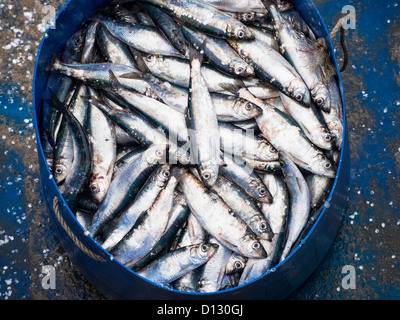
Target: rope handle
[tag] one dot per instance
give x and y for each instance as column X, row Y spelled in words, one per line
column 66, row 228
column 342, row 39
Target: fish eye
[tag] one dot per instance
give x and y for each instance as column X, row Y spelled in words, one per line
column 59, row 170
column 239, row 70
column 256, row 246
column 206, row 175
column 272, row 149
column 262, row 191
column 249, row 106
column 159, row 153
column 166, row 174
column 299, row 97
column 327, row 165
column 328, row 137
column 204, row 248
column 249, row 16
column 150, row 58
column 320, row 101
column 240, row 33
column 282, row 163
column 263, row 226
column 238, row 265
column 94, row 188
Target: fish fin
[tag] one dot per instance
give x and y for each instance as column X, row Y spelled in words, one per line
column 141, row 64
column 131, row 75
column 115, row 83
column 233, row 88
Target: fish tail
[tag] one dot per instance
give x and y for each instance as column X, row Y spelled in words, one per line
column 197, row 53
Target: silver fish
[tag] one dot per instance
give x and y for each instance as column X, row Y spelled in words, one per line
column 310, row 122
column 142, row 130
column 113, row 49
column 238, row 171
column 179, row 214
column 202, row 123
column 299, row 203
column 103, row 149
column 126, row 185
column 304, row 56
column 64, row 148
column 177, row 263
column 145, row 198
column 245, row 143
column 219, row 53
column 272, row 67
column 277, row 215
column 204, row 18
column 320, row 188
column 98, row 75
column 217, row 218
column 177, row 71
column 286, row 136
column 171, row 30
column 334, row 118
column 142, row 238
column 212, row 273
column 192, row 233
column 228, row 108
column 243, row 206
column 143, row 38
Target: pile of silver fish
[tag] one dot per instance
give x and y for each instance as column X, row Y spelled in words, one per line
column 196, row 141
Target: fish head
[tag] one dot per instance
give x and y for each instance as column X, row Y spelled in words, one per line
column 163, row 174
column 262, row 193
column 156, row 154
column 247, row 16
column 60, row 172
column 261, row 227
column 299, row 92
column 326, row 138
column 235, row 263
column 267, row 151
column 241, row 68
column 202, row 252
column 238, row 30
column 246, row 109
column 99, row 187
column 321, row 97
column 152, row 61
column 322, row 165
column 209, row 175
column 251, row 247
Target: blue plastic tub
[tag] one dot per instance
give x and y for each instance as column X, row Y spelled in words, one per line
column 115, row 280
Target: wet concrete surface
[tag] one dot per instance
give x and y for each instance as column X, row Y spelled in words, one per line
column 368, row 239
